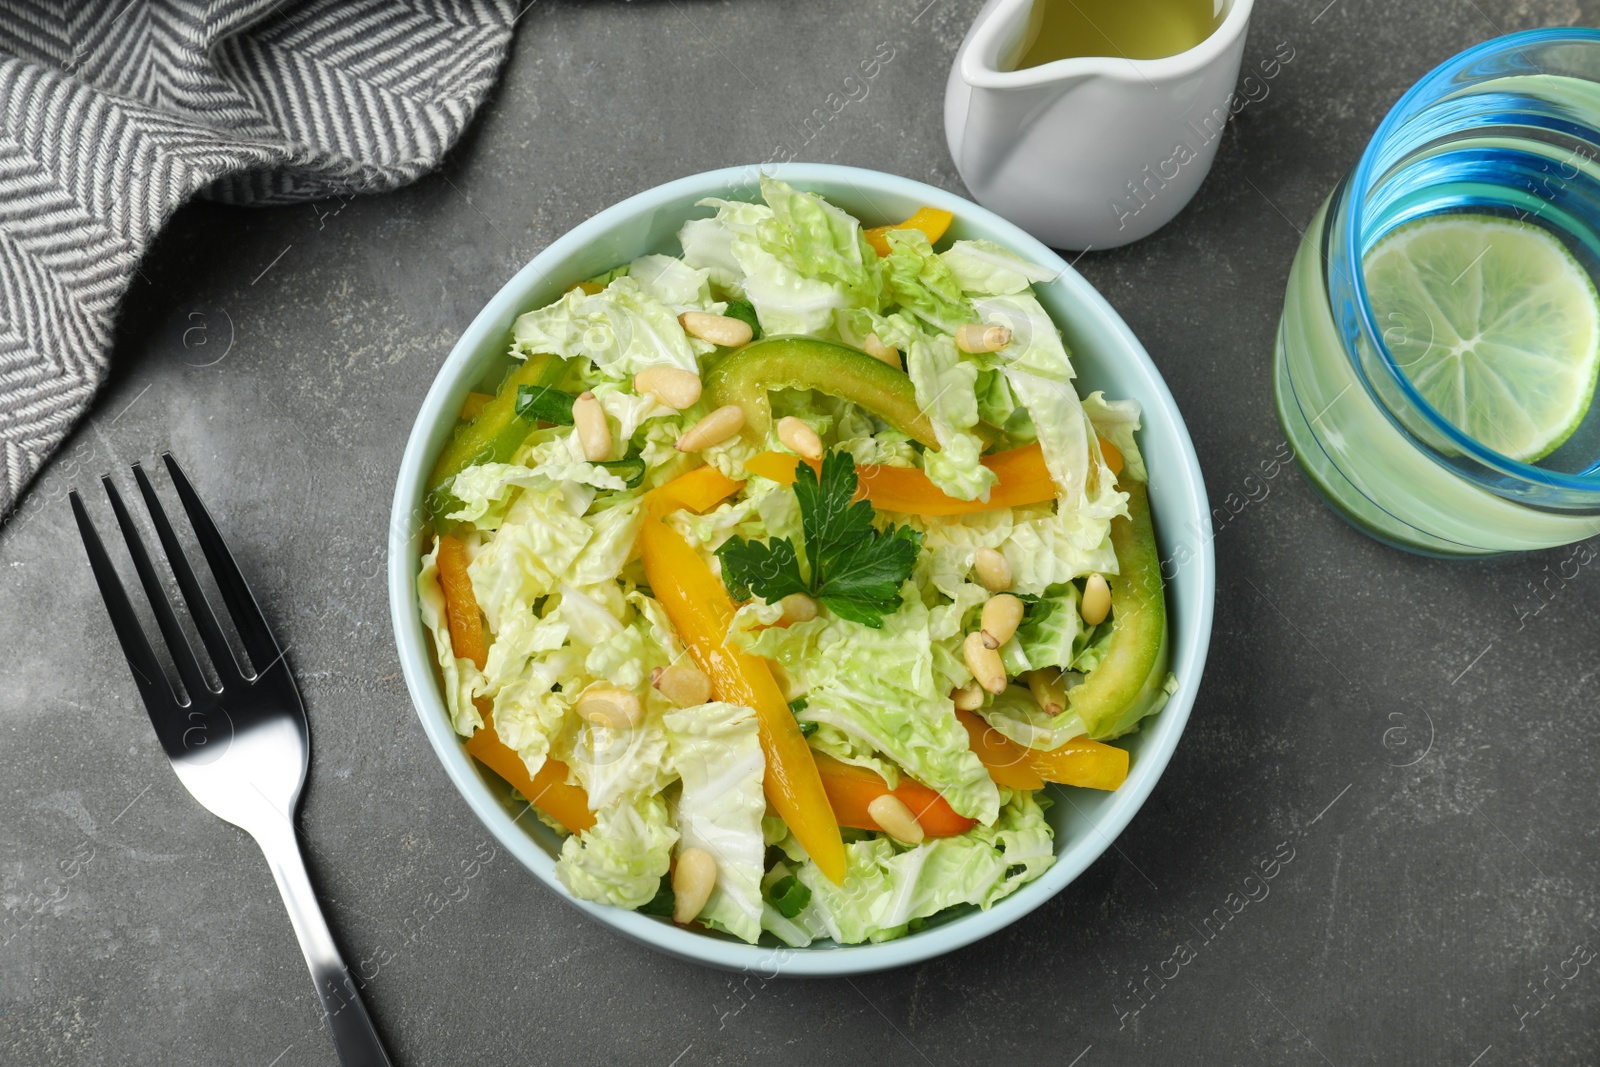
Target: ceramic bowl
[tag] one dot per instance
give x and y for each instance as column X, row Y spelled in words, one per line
column 1106, row 355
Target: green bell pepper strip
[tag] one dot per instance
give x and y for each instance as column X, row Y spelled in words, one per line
column 1132, row 676
column 743, row 377
column 492, row 436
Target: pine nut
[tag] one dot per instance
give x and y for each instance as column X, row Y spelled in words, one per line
column 606, row 705
column 993, row 570
column 1049, row 689
column 799, row 438
column 976, row 337
column 896, row 820
column 984, row 663
column 682, row 683
column 878, row 350
column 693, row 879
column 714, row 429
column 673, row 386
column 1000, row 618
column 1096, row 602
column 594, row 434
column 797, row 607
column 718, row 329
column 968, row 697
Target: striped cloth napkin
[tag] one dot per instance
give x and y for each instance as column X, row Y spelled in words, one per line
column 114, row 112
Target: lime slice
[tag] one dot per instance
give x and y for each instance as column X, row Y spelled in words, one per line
column 1494, row 322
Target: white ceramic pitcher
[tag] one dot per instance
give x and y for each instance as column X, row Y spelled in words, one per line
column 1087, row 152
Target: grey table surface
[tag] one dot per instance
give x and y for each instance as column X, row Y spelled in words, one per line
column 1417, row 734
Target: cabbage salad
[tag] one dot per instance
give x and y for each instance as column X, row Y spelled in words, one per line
column 782, row 575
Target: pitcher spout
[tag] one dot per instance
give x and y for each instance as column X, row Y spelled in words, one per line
column 989, row 105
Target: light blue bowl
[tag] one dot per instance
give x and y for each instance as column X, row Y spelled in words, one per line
column 1107, row 356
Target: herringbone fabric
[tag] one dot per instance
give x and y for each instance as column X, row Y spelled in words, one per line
column 114, row 112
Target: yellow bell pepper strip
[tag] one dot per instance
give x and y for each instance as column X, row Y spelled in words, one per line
column 1024, row 479
column 930, row 220
column 460, row 603
column 851, row 789
column 696, row 490
column 700, row 611
column 744, row 376
column 1116, row 694
column 1005, row 760
column 566, row 804
column 492, row 436
column 1082, row 762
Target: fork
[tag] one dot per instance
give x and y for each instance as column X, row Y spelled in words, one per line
column 241, row 748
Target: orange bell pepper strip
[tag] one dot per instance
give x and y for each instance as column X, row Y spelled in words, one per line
column 851, row 789
column 697, row 490
column 930, row 220
column 460, row 603
column 700, row 611
column 1112, row 455
column 566, row 804
column 1024, row 479
column 1005, row 760
column 473, row 404
column 1082, row 762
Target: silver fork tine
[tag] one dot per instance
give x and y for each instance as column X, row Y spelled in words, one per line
column 205, row 620
column 159, row 700
column 194, row 683
column 259, row 644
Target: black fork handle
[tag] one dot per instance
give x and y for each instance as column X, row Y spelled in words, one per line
column 353, row 1033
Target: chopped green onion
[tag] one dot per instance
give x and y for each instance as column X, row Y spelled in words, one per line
column 545, row 404
column 807, row 727
column 788, row 895
column 745, row 311
column 630, row 470
column 660, row 904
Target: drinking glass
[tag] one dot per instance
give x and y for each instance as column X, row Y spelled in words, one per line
column 1509, row 128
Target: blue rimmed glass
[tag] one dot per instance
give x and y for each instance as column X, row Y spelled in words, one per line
column 1508, row 128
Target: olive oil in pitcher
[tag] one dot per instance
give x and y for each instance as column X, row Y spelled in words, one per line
column 1126, row 29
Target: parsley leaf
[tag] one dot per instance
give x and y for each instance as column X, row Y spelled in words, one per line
column 856, row 570
column 770, row 570
column 832, row 523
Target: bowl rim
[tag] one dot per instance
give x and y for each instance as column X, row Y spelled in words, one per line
column 1072, row 858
